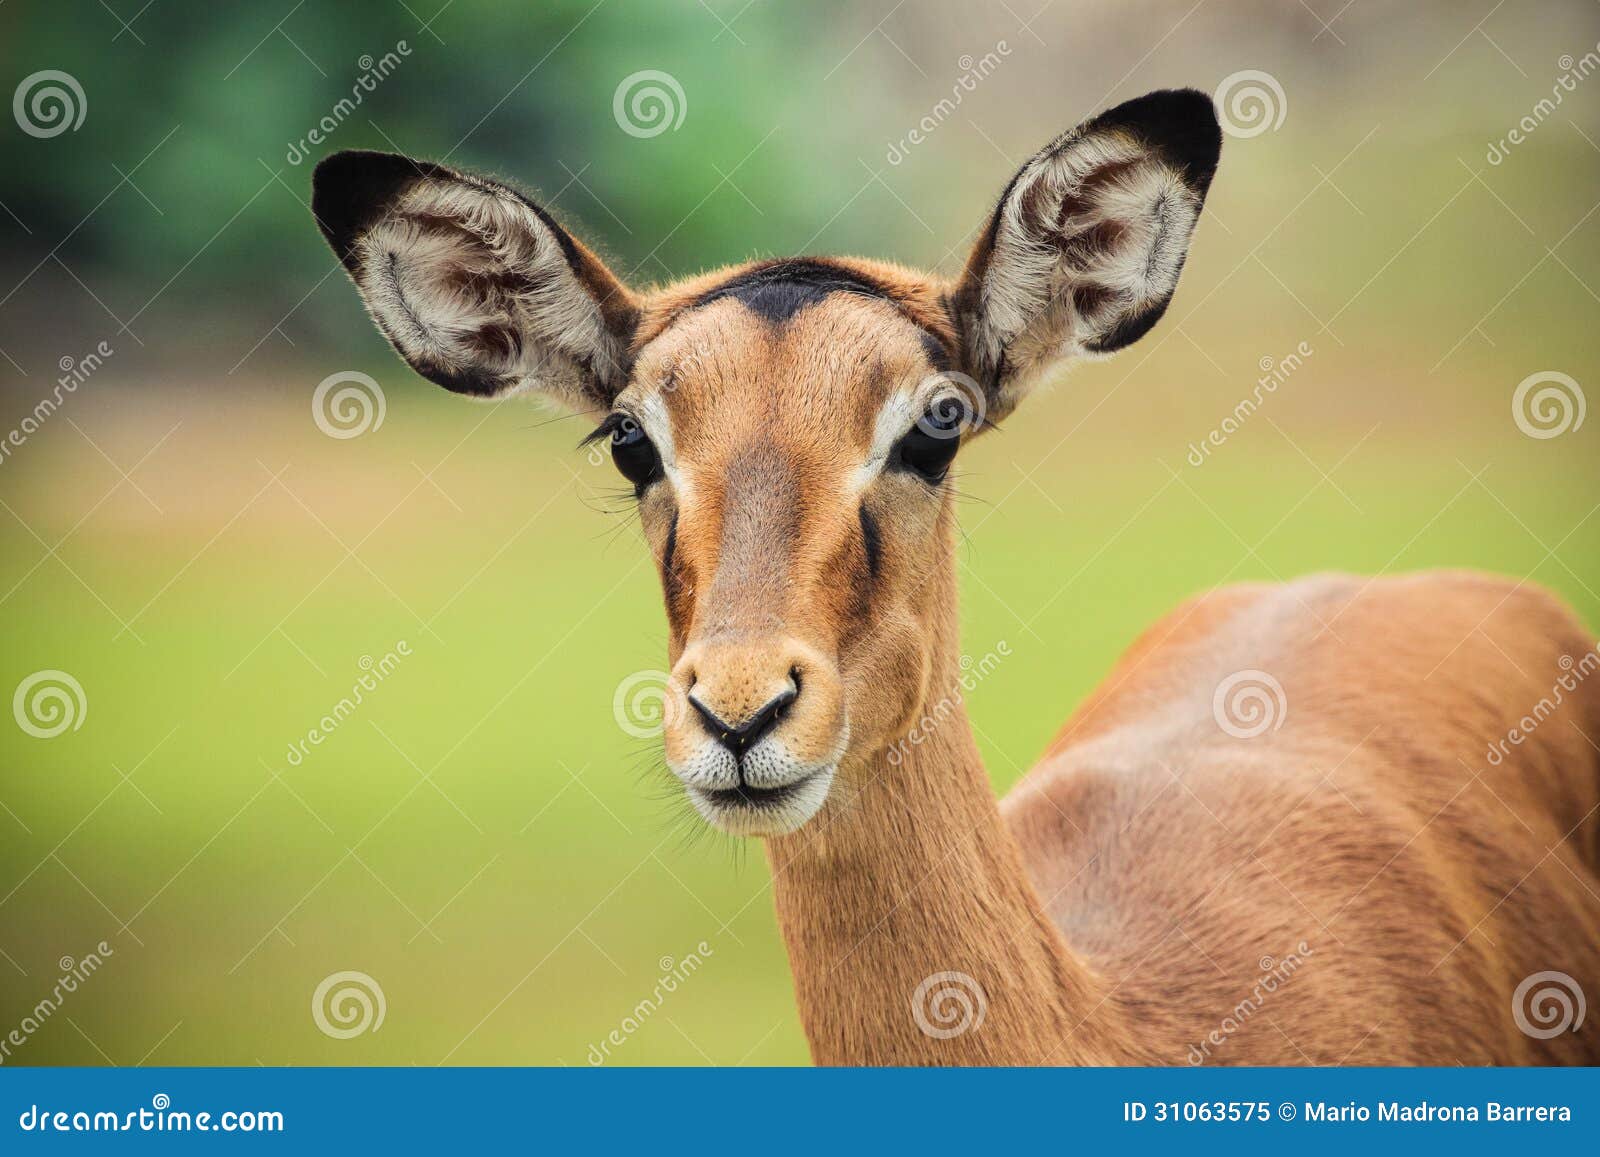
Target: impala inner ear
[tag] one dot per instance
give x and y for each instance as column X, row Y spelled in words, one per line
column 1083, row 251
column 475, row 285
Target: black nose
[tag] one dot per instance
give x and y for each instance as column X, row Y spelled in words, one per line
column 740, row 738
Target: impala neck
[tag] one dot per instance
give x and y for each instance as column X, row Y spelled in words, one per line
column 906, row 912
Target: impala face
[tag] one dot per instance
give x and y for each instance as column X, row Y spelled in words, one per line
column 794, row 502
column 788, row 427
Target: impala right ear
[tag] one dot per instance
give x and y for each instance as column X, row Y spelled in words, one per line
column 1083, row 251
column 475, row 286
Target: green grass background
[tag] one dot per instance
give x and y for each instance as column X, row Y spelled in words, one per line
column 482, row 839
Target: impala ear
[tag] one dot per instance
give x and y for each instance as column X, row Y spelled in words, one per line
column 1084, row 249
column 476, row 286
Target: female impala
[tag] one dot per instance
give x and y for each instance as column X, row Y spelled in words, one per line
column 1342, row 879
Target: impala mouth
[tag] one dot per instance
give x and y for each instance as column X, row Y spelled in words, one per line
column 763, row 811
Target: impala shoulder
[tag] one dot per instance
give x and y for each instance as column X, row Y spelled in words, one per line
column 1469, row 602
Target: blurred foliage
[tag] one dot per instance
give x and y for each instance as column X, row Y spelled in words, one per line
column 484, row 840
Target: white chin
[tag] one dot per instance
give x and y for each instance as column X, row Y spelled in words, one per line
column 770, row 812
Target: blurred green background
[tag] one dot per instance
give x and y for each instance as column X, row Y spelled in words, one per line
column 480, row 838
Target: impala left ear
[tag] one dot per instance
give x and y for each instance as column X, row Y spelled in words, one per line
column 475, row 285
column 1084, row 250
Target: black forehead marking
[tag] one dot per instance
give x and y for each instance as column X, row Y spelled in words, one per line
column 777, row 290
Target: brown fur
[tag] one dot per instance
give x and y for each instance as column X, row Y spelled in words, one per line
column 1359, row 883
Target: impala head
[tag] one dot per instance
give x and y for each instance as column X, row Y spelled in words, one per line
column 788, row 426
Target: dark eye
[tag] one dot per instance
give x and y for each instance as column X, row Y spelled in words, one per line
column 634, row 453
column 932, row 443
